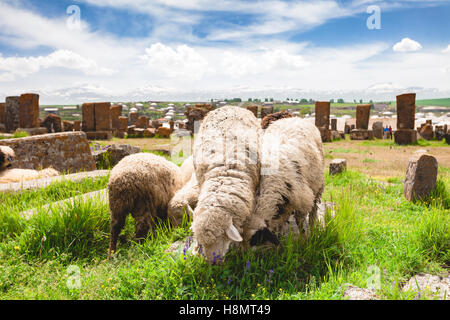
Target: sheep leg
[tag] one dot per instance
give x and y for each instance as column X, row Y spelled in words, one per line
column 117, row 224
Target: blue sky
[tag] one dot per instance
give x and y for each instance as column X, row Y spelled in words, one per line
column 201, row 49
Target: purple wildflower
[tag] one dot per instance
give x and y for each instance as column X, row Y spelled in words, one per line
column 247, row 267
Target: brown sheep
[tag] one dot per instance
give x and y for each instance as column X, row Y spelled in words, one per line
column 141, row 184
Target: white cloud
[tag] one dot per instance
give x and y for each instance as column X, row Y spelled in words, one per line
column 239, row 63
column 446, row 50
column 173, row 62
column 13, row 67
column 407, row 45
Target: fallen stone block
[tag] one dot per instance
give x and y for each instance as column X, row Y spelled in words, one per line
column 66, row 152
column 337, row 166
column 99, row 197
column 43, row 183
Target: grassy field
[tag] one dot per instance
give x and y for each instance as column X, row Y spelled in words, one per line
column 62, row 254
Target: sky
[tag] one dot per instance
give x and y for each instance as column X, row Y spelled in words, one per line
column 72, row 52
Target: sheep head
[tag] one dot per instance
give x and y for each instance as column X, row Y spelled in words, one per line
column 214, row 235
column 7, row 156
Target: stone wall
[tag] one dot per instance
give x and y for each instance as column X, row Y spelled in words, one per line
column 67, row 152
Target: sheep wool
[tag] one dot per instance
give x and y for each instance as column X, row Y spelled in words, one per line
column 187, row 169
column 292, row 179
column 141, row 184
column 227, row 168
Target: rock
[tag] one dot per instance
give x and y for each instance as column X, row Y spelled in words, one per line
column 149, row 133
column 325, row 134
column 405, row 136
column 109, row 156
column 269, row 119
column 133, row 118
column 45, row 182
column 182, row 133
column 52, row 123
column 421, row 176
column 196, row 114
column 99, row 135
column 430, row 286
column 163, row 132
column 130, row 130
column 439, row 132
column 355, row 293
column 378, row 130
column 77, row 125
column 361, row 134
column 334, row 124
column 68, row 125
column 64, row 152
column 336, row 135
column 427, row 132
column 337, row 166
column 142, row 122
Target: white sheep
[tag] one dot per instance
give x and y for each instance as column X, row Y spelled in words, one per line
column 186, row 198
column 141, row 184
column 10, row 175
column 227, row 168
column 292, row 178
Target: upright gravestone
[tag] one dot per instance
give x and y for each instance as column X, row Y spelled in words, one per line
column 133, row 118
column 2, row 115
column 265, row 111
column 142, row 122
column 421, row 176
column 406, row 108
column 29, row 110
column 334, row 124
column 377, row 128
column 116, row 112
column 88, row 113
column 11, row 114
column 362, row 123
column 102, row 116
column 322, row 120
column 77, row 125
column 253, row 109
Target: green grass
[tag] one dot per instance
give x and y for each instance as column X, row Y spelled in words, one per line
column 17, row 134
column 374, row 227
column 391, row 143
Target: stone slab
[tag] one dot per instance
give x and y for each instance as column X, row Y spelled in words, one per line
column 66, row 152
column 45, row 182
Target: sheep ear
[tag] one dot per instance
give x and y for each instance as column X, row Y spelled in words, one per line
column 233, row 233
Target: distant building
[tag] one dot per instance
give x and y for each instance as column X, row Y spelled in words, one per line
column 51, row 110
